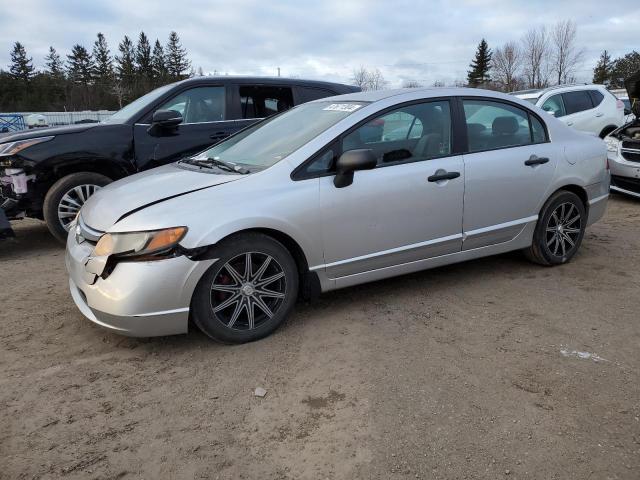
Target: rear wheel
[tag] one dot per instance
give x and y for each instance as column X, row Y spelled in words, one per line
column 248, row 292
column 559, row 231
column 65, row 198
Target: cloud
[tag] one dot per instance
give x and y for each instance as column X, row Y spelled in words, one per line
column 423, row 41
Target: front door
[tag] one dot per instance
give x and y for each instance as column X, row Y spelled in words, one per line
column 406, row 209
column 203, row 110
column 509, row 165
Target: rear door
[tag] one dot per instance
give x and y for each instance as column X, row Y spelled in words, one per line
column 580, row 113
column 253, row 102
column 509, row 165
column 204, row 112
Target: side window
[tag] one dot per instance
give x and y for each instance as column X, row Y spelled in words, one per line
column 306, row 94
column 538, row 133
column 554, row 105
column 596, row 97
column 492, row 125
column 415, row 132
column 199, row 104
column 257, row 101
column 575, row 102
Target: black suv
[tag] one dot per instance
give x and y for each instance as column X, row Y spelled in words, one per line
column 48, row 173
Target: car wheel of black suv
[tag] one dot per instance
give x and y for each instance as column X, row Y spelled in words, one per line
column 65, row 198
column 248, row 292
column 559, row 230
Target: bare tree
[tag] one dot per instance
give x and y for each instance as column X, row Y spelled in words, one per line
column 360, row 77
column 535, row 49
column 376, row 80
column 566, row 56
column 506, row 63
column 438, row 84
column 411, row 84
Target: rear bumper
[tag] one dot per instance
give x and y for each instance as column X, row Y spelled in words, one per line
column 140, row 299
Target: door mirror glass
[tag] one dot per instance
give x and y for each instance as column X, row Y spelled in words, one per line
column 166, row 118
column 349, row 162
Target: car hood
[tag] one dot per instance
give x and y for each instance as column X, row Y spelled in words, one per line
column 632, row 84
column 45, row 132
column 131, row 194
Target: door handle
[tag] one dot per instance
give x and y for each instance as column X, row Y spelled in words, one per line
column 569, row 123
column 599, row 114
column 437, row 177
column 534, row 160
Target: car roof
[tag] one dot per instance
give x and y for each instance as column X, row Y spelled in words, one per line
column 536, row 93
column 241, row 79
column 430, row 92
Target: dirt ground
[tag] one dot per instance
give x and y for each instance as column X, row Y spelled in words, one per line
column 495, row 368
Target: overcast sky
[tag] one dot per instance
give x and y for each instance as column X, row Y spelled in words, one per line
column 324, row 39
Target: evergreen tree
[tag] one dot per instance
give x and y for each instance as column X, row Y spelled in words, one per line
column 21, row 66
column 53, row 64
column 480, row 66
column 125, row 64
column 144, row 68
column 178, row 64
column 158, row 64
column 80, row 65
column 103, row 69
column 623, row 68
column 602, row 72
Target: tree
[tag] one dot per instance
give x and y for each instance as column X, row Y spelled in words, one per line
column 438, row 84
column 178, row 64
column 602, row 72
column 411, row 84
column 21, row 66
column 535, row 47
column 480, row 66
column 125, row 66
column 376, row 80
column 623, row 68
column 143, row 59
column 360, row 77
column 158, row 64
column 80, row 65
column 53, row 64
column 564, row 53
column 506, row 62
column 103, row 63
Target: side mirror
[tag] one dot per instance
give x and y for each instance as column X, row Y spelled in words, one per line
column 349, row 162
column 166, row 118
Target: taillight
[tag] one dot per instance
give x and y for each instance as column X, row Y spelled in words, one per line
column 619, row 104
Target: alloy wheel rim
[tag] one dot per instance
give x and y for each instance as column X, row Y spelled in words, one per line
column 248, row 290
column 72, row 201
column 563, row 229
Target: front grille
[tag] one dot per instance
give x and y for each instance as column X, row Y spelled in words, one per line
column 630, row 150
column 626, row 183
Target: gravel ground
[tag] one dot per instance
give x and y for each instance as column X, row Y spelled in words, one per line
column 495, row 368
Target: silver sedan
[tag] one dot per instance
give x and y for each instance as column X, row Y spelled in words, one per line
column 323, row 197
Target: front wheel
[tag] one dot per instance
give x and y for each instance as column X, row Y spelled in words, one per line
column 65, row 198
column 248, row 292
column 559, row 231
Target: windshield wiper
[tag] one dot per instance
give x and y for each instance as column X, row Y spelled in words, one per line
column 214, row 162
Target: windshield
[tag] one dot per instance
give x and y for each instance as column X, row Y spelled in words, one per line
column 127, row 112
column 272, row 140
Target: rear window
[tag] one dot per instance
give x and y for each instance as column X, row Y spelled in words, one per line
column 596, row 97
column 577, row 101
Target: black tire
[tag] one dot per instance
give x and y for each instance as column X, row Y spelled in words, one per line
column 557, row 238
column 220, row 325
column 58, row 190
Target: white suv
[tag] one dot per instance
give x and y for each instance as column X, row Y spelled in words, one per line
column 590, row 108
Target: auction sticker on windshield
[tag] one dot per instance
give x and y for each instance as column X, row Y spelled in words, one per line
column 343, row 107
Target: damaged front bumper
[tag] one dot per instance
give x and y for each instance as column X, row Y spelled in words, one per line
column 625, row 168
column 137, row 298
column 14, row 188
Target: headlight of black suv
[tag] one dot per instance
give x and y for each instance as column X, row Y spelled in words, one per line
column 11, row 148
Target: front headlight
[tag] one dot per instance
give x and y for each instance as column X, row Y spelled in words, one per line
column 136, row 244
column 612, row 144
column 11, row 148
